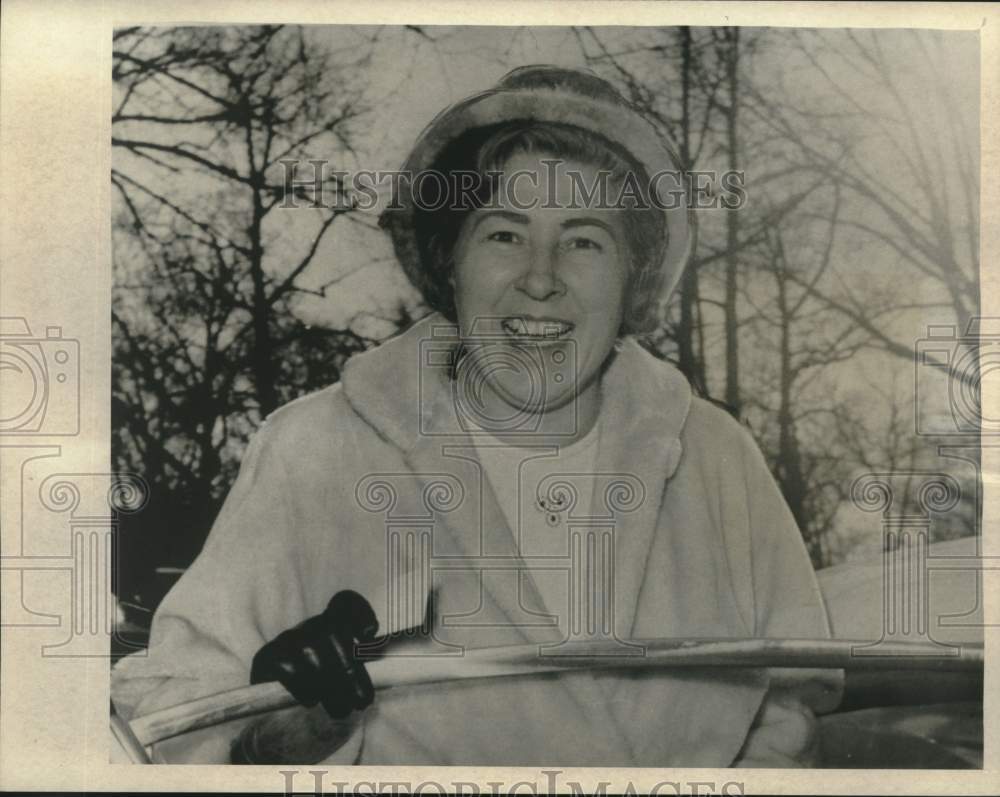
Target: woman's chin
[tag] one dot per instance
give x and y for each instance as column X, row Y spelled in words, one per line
column 514, row 400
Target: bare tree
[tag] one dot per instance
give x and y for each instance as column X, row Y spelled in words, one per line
column 911, row 180
column 793, row 416
column 731, row 58
column 245, row 100
column 208, row 266
column 685, row 80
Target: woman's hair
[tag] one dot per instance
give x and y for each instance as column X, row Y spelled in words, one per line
column 483, row 152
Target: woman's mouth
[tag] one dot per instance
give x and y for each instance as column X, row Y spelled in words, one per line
column 536, row 329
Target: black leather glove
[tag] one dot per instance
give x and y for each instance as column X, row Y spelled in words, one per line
column 315, row 659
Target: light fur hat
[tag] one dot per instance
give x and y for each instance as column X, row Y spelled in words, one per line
column 566, row 97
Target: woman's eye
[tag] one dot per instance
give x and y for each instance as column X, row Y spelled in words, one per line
column 503, row 237
column 585, row 243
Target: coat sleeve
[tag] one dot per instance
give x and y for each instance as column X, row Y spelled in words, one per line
column 243, row 589
column 788, row 602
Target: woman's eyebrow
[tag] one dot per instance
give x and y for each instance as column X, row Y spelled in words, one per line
column 509, row 215
column 590, row 221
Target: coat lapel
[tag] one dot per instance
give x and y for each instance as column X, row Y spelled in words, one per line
column 644, row 408
column 476, row 540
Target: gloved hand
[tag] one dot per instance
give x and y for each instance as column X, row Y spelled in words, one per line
column 315, row 660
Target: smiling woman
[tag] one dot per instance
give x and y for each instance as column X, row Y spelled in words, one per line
column 513, row 470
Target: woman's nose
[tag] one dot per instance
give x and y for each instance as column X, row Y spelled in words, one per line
column 539, row 280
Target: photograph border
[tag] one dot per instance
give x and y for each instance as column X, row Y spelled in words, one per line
column 55, row 250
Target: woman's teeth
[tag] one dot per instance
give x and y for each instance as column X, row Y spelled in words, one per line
column 532, row 328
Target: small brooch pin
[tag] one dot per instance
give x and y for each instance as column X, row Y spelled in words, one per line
column 552, row 507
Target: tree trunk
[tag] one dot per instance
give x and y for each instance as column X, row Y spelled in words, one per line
column 688, row 360
column 732, row 396
column 263, row 367
column 789, row 471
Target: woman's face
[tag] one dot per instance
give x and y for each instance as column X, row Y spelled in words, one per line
column 539, row 291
